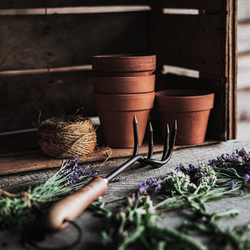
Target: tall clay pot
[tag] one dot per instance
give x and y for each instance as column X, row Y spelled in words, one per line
column 116, row 112
column 191, row 109
column 123, row 87
column 123, row 65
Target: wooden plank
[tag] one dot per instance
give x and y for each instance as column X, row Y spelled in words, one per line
column 244, row 37
column 18, row 142
column 243, row 71
column 193, row 4
column 243, row 105
column 243, row 10
column 31, row 42
column 55, row 94
column 242, row 129
column 191, row 41
column 232, row 69
column 92, row 226
column 10, row 4
column 36, row 160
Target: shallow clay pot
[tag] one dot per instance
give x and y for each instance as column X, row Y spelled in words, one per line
column 116, row 113
column 124, row 85
column 191, row 109
column 123, row 65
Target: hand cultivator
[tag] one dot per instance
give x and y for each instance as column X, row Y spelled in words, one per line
column 59, row 215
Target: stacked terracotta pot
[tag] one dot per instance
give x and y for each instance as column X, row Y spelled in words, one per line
column 123, row 87
column 190, row 107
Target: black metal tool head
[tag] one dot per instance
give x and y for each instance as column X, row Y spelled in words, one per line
column 169, row 142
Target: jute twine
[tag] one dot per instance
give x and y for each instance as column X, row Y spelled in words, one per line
column 67, row 138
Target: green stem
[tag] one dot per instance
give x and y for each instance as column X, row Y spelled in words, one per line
column 157, row 231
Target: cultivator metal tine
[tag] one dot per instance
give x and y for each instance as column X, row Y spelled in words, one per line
column 167, row 151
column 166, row 143
column 136, row 136
column 150, row 141
column 172, row 142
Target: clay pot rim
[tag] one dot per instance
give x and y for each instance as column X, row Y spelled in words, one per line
column 193, row 100
column 184, row 93
column 124, row 95
column 129, row 78
column 122, row 56
column 124, row 63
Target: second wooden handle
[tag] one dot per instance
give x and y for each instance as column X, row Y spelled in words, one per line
column 73, row 205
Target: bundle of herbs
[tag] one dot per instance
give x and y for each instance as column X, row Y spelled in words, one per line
column 14, row 208
column 187, row 187
column 138, row 222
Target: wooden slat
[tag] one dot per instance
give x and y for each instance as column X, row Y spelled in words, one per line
column 244, row 37
column 8, row 4
column 232, row 70
column 30, row 161
column 243, row 106
column 55, row 94
column 191, row 4
column 243, row 71
column 30, row 42
column 18, row 142
column 190, row 41
column 243, row 10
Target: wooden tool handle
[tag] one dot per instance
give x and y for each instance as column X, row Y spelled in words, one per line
column 73, row 205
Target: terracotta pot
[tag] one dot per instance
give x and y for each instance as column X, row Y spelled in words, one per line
column 191, row 109
column 116, row 113
column 123, row 65
column 124, row 85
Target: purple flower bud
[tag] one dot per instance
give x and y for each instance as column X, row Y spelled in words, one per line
column 247, row 177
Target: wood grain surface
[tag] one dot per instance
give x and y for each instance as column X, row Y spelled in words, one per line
column 133, row 177
column 64, row 3
column 48, row 41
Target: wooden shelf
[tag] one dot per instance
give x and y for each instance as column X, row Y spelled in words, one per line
column 35, row 160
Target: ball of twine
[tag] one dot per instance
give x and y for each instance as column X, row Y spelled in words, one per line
column 67, row 138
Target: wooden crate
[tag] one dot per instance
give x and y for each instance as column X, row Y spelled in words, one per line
column 46, row 49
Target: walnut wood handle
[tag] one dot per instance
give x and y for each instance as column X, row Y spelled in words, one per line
column 73, row 205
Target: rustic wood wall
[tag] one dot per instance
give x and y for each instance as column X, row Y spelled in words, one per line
column 45, row 57
column 244, row 69
column 46, row 48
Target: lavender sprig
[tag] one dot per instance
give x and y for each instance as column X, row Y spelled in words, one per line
column 231, row 168
column 15, row 207
column 239, row 160
column 149, row 187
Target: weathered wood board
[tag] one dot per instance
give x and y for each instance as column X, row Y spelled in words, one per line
column 20, row 162
column 243, row 81
column 8, row 4
column 198, row 42
column 44, row 42
column 194, row 4
column 54, row 94
column 133, row 177
column 49, row 41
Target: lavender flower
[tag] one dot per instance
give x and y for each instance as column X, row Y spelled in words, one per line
column 231, row 184
column 73, row 174
column 239, row 160
column 247, row 177
column 149, row 187
column 191, row 170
